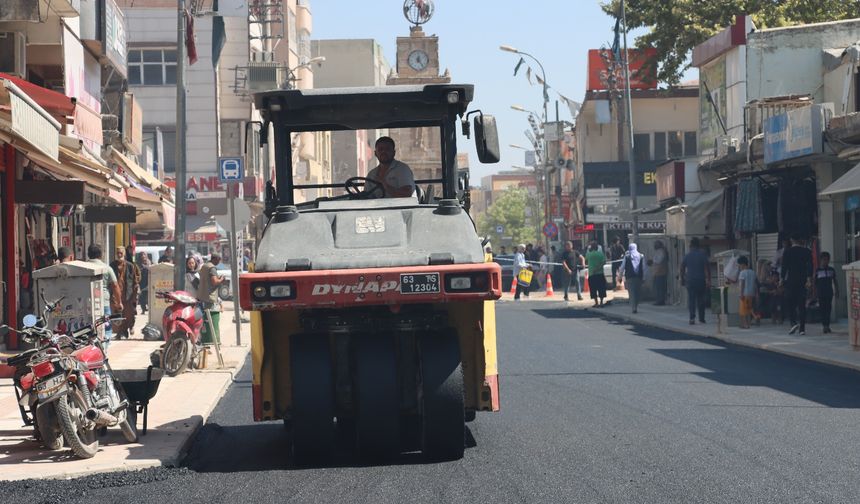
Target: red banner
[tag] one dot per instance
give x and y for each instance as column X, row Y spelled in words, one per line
column 642, row 71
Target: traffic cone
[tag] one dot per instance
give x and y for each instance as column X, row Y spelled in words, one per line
column 585, row 287
column 549, row 292
column 514, row 287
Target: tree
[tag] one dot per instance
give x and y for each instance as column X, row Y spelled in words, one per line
column 676, row 26
column 517, row 212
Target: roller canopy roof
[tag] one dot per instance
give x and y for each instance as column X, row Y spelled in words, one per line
column 357, row 108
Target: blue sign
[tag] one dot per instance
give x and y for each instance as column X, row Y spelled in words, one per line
column 794, row 134
column 500, row 229
column 231, row 169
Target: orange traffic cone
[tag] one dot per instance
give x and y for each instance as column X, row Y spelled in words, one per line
column 514, row 287
column 549, row 292
column 585, row 286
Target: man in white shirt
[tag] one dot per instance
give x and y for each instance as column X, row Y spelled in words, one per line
column 394, row 176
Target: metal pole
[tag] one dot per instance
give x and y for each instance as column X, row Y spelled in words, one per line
column 631, row 161
column 179, row 231
column 234, row 265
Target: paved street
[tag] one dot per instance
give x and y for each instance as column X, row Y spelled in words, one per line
column 592, row 411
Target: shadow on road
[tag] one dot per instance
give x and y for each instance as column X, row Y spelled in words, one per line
column 741, row 366
column 266, row 447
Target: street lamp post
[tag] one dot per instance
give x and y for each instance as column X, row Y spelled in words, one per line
column 545, row 163
column 631, row 161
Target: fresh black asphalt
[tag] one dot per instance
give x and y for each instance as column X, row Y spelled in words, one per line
column 593, row 411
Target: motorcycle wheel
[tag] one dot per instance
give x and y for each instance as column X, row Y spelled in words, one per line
column 79, row 433
column 48, row 426
column 177, row 355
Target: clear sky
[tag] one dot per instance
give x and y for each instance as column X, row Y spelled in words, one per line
column 557, row 32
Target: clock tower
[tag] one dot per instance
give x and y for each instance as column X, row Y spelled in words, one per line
column 418, row 63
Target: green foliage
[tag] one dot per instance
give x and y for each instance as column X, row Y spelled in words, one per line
column 676, row 26
column 509, row 211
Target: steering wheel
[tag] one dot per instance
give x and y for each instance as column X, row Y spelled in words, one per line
column 355, row 187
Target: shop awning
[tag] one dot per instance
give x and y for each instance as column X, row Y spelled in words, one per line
column 144, row 200
column 25, row 124
column 850, row 182
column 136, row 171
column 54, row 103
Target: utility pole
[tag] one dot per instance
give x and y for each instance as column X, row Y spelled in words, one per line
column 631, row 161
column 179, row 232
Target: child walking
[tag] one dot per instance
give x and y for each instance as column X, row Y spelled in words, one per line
column 747, row 281
column 825, row 288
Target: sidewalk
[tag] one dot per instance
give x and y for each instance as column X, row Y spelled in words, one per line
column 180, row 407
column 833, row 348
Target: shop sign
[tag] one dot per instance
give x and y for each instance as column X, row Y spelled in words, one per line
column 642, row 70
column 114, row 36
column 50, row 192
column 110, row 213
column 132, row 124
column 794, row 134
column 656, row 226
column 670, row 181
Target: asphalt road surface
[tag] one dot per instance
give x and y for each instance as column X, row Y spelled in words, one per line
column 592, row 411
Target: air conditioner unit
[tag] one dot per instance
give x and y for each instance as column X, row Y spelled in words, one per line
column 265, row 76
column 262, row 57
column 13, row 54
column 726, row 145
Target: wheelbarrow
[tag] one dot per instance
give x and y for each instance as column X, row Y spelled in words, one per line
column 140, row 386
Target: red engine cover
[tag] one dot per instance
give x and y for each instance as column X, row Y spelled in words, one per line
column 90, row 355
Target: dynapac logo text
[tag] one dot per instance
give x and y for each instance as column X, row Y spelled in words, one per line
column 359, row 288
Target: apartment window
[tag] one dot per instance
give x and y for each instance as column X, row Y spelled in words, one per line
column 151, row 67
column 690, row 144
column 659, row 145
column 642, row 146
column 676, row 144
column 292, row 36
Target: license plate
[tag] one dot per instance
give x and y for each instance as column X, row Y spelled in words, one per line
column 419, row 283
column 51, row 387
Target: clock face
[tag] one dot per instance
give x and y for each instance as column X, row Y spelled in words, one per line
column 418, row 60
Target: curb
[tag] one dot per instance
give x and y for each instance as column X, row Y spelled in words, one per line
column 173, row 460
column 737, row 342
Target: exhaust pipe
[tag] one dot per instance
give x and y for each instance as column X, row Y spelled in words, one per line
column 101, row 418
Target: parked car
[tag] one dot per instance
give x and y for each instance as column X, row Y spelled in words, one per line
column 225, row 290
column 506, row 261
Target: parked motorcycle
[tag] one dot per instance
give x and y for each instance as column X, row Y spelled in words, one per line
column 182, row 322
column 71, row 387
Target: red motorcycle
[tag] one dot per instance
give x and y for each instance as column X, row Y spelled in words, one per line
column 71, row 387
column 182, row 322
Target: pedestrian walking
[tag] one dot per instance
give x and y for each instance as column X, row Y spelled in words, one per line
column 797, row 279
column 696, row 277
column 616, row 253
column 111, row 298
column 521, row 266
column 65, row 254
column 634, row 271
column 596, row 260
column 571, row 261
column 660, row 269
column 128, row 278
column 543, row 267
column 144, row 264
column 826, row 287
column 748, row 290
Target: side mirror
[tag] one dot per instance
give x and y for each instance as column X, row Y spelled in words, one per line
column 30, row 321
column 487, row 138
